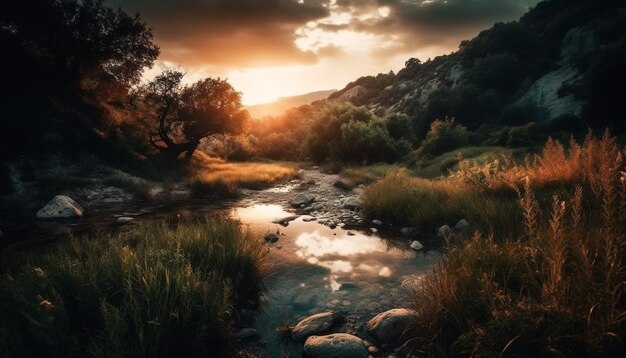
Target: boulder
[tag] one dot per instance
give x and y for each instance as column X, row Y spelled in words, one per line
column 271, row 237
column 302, row 199
column 444, row 231
column 313, row 325
column 462, row 225
column 285, row 221
column 351, row 203
column 60, row 207
column 388, row 326
column 337, row 345
column 416, row 245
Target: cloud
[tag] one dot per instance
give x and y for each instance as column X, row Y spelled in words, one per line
column 227, row 32
column 272, row 48
column 253, row 33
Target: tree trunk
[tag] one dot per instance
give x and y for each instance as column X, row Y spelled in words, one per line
column 191, row 148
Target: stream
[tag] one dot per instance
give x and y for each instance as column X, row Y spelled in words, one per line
column 327, row 259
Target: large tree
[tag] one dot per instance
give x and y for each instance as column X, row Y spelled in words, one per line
column 177, row 118
column 79, row 40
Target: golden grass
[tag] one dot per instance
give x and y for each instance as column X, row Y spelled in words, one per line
column 549, row 279
column 216, row 176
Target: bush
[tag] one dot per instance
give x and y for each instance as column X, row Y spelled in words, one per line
column 154, row 292
column 443, row 136
column 366, row 142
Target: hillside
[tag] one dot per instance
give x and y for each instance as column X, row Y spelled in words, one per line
column 284, row 103
column 562, row 64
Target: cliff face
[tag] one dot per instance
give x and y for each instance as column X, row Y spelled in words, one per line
column 539, row 69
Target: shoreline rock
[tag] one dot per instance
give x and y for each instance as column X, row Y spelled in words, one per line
column 337, row 345
column 60, row 207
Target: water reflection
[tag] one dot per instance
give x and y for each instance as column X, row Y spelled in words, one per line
column 314, row 244
column 319, row 269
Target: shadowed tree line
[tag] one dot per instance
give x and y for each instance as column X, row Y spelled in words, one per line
column 72, row 74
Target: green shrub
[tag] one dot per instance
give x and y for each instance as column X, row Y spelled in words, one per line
column 133, row 185
column 443, row 136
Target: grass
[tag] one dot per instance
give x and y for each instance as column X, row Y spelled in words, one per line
column 136, row 186
column 442, row 165
column 156, row 291
column 218, row 178
column 548, row 278
column 358, row 175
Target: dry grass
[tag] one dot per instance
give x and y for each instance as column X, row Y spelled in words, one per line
column 217, row 177
column 551, row 281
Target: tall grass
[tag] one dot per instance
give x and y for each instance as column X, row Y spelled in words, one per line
column 156, row 292
column 218, row 178
column 553, row 284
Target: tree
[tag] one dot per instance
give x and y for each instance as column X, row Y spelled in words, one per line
column 177, row 118
column 80, row 40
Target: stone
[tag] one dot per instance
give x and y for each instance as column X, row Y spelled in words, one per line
column 388, row 326
column 60, row 207
column 271, row 237
column 416, row 245
column 377, row 222
column 247, row 333
column 302, row 199
column 301, row 172
column 285, row 221
column 462, row 225
column 310, row 218
column 350, row 233
column 374, row 230
column 351, row 203
column 444, row 231
column 313, row 325
column 408, row 230
column 124, row 220
column 337, row 345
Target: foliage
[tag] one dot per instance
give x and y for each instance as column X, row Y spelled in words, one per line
column 548, row 279
column 154, row 291
column 177, row 118
column 82, row 40
column 139, row 187
column 443, row 136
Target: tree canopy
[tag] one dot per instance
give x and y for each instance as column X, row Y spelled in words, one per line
column 177, row 117
column 79, row 40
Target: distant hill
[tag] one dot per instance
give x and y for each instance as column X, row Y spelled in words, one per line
column 284, row 103
column 563, row 64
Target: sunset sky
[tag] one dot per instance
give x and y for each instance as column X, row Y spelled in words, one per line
column 274, row 48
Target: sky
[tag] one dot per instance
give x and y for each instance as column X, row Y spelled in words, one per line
column 275, row 48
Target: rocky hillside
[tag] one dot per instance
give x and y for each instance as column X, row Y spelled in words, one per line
column 562, row 63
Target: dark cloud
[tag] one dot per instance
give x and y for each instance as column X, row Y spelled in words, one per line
column 227, row 32
column 441, row 23
column 248, row 33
